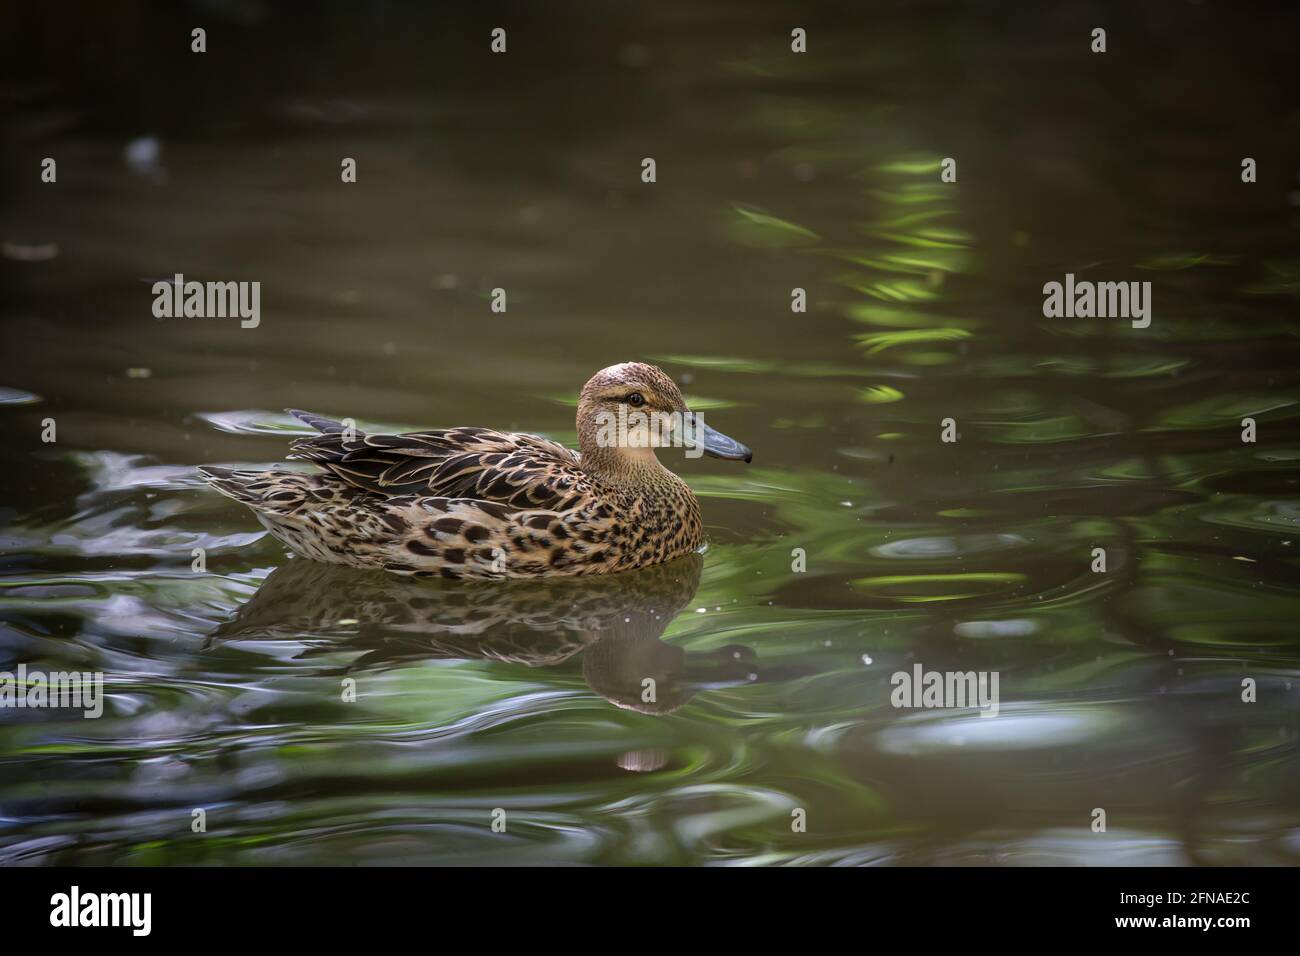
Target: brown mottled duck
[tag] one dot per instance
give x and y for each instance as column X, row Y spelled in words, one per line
column 479, row 503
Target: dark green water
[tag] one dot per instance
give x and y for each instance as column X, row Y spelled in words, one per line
column 1119, row 690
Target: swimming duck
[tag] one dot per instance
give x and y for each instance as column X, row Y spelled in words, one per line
column 478, row 503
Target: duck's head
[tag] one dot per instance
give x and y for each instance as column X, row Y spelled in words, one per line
column 628, row 410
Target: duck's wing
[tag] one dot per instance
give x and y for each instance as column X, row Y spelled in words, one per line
column 524, row 471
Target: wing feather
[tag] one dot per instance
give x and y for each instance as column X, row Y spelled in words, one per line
column 524, row 471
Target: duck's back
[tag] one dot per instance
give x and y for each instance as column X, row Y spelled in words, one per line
column 510, row 468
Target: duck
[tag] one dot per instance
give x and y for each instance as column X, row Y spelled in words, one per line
column 477, row 503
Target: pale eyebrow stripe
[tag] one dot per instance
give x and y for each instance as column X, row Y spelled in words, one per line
column 653, row 399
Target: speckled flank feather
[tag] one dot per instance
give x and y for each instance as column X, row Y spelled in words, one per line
column 478, row 503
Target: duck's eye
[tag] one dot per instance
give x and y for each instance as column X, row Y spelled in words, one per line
column 636, row 399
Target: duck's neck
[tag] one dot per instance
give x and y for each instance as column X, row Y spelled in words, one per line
column 625, row 467
column 629, row 468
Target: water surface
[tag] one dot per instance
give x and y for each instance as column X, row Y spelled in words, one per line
column 1119, row 690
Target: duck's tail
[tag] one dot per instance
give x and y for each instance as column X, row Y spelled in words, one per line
column 287, row 495
column 327, row 426
column 250, row 487
column 315, row 515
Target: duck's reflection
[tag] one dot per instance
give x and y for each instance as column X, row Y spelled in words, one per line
column 614, row 621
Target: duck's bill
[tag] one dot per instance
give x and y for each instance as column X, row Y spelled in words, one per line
column 718, row 445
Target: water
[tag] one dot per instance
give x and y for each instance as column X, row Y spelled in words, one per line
column 226, row 689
